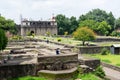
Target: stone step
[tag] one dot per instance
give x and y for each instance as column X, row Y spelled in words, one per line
column 86, row 69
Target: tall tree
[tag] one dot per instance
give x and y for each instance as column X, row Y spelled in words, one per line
column 103, row 28
column 117, row 23
column 99, row 16
column 73, row 24
column 61, row 19
column 3, row 40
column 7, row 25
column 66, row 24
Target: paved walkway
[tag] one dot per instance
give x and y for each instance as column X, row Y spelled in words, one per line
column 112, row 74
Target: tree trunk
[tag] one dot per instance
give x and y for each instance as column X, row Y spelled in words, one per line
column 83, row 43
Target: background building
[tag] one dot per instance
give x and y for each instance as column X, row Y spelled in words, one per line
column 37, row 27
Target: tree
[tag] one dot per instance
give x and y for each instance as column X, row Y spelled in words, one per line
column 101, row 28
column 73, row 24
column 117, row 24
column 62, row 23
column 84, row 34
column 89, row 23
column 66, row 24
column 7, row 25
column 98, row 16
column 3, row 40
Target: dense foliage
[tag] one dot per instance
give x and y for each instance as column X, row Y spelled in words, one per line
column 98, row 16
column 84, row 34
column 66, row 24
column 100, row 28
column 7, row 25
column 3, row 40
column 28, row 78
column 99, row 72
column 101, row 22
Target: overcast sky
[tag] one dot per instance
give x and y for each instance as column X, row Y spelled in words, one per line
column 37, row 9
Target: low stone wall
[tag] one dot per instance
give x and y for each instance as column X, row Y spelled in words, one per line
column 92, row 63
column 12, row 71
column 57, row 62
column 58, row 75
column 92, row 49
column 106, row 39
column 110, row 66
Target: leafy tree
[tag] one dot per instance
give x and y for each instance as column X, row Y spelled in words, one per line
column 3, row 40
column 66, row 24
column 101, row 28
column 7, row 25
column 84, row 34
column 73, row 24
column 99, row 16
column 88, row 23
column 117, row 24
column 115, row 33
column 62, row 23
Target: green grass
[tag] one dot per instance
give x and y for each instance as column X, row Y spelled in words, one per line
column 112, row 59
column 28, row 78
column 107, row 61
column 74, row 42
column 88, row 76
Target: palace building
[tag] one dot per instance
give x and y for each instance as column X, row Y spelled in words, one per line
column 37, row 27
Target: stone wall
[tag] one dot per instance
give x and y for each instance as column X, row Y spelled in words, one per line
column 111, row 66
column 58, row 75
column 106, row 39
column 92, row 63
column 92, row 49
column 12, row 71
column 57, row 62
column 53, row 62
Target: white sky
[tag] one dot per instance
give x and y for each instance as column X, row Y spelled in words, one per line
column 37, row 9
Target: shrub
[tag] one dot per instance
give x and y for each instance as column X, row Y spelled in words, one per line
column 105, row 51
column 99, row 72
column 59, row 39
column 28, row 34
column 44, row 37
column 115, row 33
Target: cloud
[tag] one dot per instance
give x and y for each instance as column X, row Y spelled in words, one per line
column 45, row 8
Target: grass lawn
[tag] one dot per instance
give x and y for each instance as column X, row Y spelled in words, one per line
column 88, row 76
column 28, row 78
column 74, row 42
column 112, row 59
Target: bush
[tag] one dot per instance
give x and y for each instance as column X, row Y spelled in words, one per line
column 114, row 33
column 105, row 51
column 16, row 37
column 59, row 39
column 28, row 34
column 44, row 38
column 99, row 72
